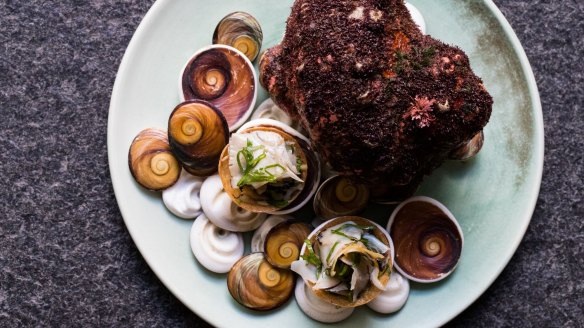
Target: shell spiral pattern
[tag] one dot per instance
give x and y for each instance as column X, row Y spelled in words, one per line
column 393, row 297
column 256, row 284
column 223, row 212
column 151, row 161
column 197, row 133
column 283, row 243
column 259, row 235
column 216, row 249
column 428, row 241
column 339, row 196
column 241, row 31
column 224, row 77
column 183, row 199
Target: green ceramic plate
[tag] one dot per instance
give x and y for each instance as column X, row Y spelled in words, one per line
column 493, row 195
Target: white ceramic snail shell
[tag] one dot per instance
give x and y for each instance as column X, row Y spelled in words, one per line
column 215, row 248
column 259, row 236
column 316, row 308
column 182, row 199
column 223, row 212
column 393, row 297
column 417, row 17
column 268, row 109
column 296, row 134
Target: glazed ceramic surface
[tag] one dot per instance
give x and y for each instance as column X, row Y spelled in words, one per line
column 492, row 195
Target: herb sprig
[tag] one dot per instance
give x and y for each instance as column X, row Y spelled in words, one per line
column 312, row 258
column 249, row 175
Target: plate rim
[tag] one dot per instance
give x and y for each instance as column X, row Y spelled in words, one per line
column 538, row 152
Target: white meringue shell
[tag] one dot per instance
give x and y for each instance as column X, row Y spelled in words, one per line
column 393, row 297
column 216, row 249
column 182, row 199
column 268, row 109
column 317, row 309
column 223, row 212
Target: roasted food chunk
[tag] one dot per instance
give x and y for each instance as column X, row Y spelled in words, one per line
column 379, row 99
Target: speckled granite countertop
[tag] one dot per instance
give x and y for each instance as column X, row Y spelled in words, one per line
column 66, row 258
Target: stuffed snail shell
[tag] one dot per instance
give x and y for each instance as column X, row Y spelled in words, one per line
column 346, row 261
column 312, row 168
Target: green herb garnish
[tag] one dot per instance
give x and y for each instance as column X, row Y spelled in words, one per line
column 260, row 175
column 347, row 225
column 278, row 202
column 312, row 258
column 331, row 251
column 299, row 165
column 249, row 175
column 351, row 225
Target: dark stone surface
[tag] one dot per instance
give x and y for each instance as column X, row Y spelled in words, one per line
column 66, row 258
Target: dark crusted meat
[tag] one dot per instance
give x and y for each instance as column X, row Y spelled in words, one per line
column 379, row 99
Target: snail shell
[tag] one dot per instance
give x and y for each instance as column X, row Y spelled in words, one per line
column 182, row 199
column 151, row 161
column 224, row 77
column 371, row 291
column 312, row 179
column 469, row 149
column 254, row 283
column 223, row 212
column 216, row 249
column 428, row 240
column 393, row 194
column 259, row 235
column 393, row 297
column 283, row 242
column 241, row 31
column 340, row 196
column 268, row 109
column 246, row 196
column 316, row 308
column 197, row 133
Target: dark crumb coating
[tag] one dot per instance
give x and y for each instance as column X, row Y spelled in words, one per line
column 379, row 99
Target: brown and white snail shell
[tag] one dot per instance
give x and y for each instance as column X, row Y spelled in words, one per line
column 151, row 161
column 428, row 240
column 469, row 149
column 254, row 283
column 241, row 31
column 284, row 241
column 224, row 77
column 197, row 132
column 340, row 196
column 259, row 235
